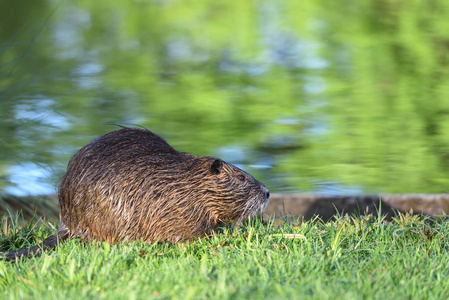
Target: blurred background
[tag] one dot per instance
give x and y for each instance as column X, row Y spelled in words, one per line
column 335, row 97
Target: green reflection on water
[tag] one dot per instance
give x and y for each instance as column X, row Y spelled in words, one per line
column 308, row 96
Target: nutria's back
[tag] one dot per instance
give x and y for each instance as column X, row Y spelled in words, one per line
column 131, row 184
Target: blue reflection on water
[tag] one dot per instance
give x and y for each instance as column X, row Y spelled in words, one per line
column 29, row 179
column 40, row 110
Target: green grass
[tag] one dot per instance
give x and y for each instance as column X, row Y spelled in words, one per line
column 347, row 258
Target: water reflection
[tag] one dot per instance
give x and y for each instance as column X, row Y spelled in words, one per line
column 29, row 179
column 306, row 96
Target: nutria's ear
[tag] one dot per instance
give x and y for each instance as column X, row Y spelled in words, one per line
column 216, row 167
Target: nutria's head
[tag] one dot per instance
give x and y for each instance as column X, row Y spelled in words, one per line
column 131, row 184
column 229, row 193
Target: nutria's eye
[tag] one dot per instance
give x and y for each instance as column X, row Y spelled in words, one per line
column 241, row 177
column 216, row 167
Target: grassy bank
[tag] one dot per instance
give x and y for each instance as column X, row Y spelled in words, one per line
column 350, row 257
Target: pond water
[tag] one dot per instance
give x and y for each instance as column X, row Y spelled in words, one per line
column 336, row 97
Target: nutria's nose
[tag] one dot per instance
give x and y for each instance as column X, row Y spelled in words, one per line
column 265, row 191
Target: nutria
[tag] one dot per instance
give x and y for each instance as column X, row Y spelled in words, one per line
column 130, row 184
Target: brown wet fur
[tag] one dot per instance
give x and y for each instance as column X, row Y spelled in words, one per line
column 130, row 184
